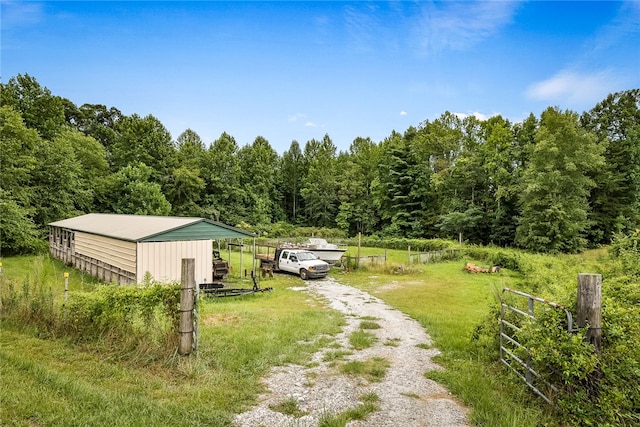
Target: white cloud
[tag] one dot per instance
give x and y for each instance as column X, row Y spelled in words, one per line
column 362, row 22
column 626, row 25
column 458, row 25
column 21, row 13
column 476, row 114
column 480, row 116
column 573, row 87
column 310, row 124
column 295, row 117
column 403, row 113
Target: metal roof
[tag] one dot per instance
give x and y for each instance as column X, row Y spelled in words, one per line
column 139, row 228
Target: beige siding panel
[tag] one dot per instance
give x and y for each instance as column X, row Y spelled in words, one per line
column 118, row 253
column 164, row 259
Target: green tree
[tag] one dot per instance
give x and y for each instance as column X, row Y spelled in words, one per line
column 320, row 185
column 357, row 213
column 461, row 222
column 465, row 186
column 97, row 121
column 435, row 149
column 191, row 151
column 144, row 140
column 184, row 191
column 186, row 185
column 40, row 109
column 18, row 232
column 556, row 185
column 91, row 155
column 132, row 191
column 224, row 198
column 293, row 171
column 616, row 198
column 90, row 158
column 59, row 188
column 17, row 156
column 502, row 169
column 259, row 173
column 402, row 187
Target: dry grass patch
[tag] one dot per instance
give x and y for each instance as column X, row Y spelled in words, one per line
column 220, row 319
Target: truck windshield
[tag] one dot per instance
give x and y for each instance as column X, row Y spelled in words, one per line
column 305, row 256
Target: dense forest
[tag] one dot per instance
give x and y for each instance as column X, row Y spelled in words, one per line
column 559, row 182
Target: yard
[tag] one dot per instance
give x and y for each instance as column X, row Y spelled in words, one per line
column 59, row 382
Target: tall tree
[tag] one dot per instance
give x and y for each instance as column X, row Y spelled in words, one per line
column 436, row 149
column 320, row 184
column 465, row 186
column 184, row 191
column 357, row 213
column 399, row 188
column 144, row 140
column 91, row 157
column 502, row 170
column 293, row 172
column 97, row 121
column 59, row 188
column 186, row 185
column 224, row 198
column 556, row 185
column 616, row 198
column 17, row 155
column 18, row 232
column 190, row 149
column 132, row 191
column 40, row 109
column 259, row 171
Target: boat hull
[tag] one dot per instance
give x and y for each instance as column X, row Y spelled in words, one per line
column 330, row 256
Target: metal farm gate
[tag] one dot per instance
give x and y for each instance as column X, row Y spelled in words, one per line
column 509, row 344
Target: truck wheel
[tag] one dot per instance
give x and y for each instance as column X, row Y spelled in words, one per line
column 303, row 274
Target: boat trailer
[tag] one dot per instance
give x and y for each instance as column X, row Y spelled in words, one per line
column 218, row 289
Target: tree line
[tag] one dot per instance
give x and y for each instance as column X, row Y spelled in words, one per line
column 559, row 182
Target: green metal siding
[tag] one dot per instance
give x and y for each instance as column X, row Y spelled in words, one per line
column 202, row 230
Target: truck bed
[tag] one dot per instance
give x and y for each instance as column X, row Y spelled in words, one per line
column 265, row 257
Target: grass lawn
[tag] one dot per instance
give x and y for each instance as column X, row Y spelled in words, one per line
column 52, row 382
column 450, row 303
column 59, row 383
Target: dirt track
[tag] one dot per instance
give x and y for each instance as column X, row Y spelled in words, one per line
column 407, row 398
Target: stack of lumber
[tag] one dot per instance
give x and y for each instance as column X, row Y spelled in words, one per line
column 473, row 268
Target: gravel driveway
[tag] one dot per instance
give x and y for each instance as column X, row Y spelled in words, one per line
column 407, row 398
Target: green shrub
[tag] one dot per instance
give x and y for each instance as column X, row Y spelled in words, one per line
column 123, row 312
column 133, row 317
column 626, row 249
column 593, row 389
column 505, row 258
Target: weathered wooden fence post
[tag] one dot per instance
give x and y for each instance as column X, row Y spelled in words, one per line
column 590, row 307
column 359, row 242
column 66, row 287
column 188, row 280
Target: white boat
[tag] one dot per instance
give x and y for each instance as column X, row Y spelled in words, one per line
column 328, row 252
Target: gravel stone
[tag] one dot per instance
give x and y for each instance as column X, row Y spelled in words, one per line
column 407, row 398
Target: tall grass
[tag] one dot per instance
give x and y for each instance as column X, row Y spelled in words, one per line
column 57, row 382
column 450, row 303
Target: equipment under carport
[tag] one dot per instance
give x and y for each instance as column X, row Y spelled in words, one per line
column 220, row 267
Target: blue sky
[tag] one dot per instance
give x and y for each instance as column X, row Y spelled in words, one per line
column 299, row 70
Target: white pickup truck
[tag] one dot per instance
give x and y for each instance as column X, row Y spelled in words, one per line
column 298, row 261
